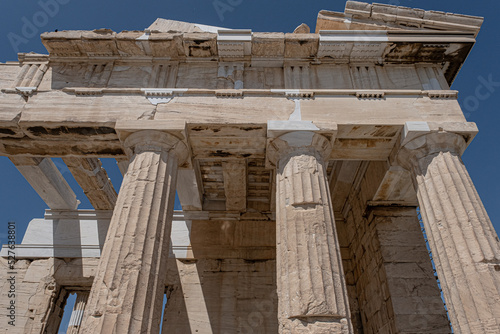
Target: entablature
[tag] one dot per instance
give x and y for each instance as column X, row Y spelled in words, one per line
column 448, row 49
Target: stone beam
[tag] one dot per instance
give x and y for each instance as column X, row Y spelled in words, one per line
column 47, row 181
column 396, row 189
column 359, row 138
column 189, row 190
column 64, row 146
column 235, row 184
column 341, row 183
column 93, row 179
column 122, row 165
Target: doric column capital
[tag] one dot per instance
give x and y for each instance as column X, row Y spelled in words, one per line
column 155, row 141
column 428, row 145
column 298, row 142
column 291, row 138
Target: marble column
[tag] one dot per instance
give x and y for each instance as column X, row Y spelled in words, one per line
column 310, row 285
column 76, row 316
column 128, row 290
column 464, row 245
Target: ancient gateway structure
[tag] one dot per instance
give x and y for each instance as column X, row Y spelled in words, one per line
column 301, row 161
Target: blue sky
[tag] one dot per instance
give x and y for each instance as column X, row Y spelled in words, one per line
column 22, row 22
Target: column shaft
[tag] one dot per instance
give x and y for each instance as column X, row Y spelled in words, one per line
column 76, row 316
column 464, row 245
column 128, row 290
column 311, row 287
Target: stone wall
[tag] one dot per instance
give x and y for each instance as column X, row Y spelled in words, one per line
column 411, row 286
column 227, row 282
column 221, row 296
column 388, row 270
column 41, row 288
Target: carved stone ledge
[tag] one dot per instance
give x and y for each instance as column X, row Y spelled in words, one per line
column 26, row 91
column 443, row 94
column 88, row 91
column 299, row 95
column 161, row 95
column 157, row 92
column 294, row 93
column 370, row 94
column 229, row 93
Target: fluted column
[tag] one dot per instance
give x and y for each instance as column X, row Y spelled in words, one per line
column 464, row 245
column 77, row 315
column 128, row 289
column 311, row 287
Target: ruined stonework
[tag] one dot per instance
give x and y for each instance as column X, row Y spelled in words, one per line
column 303, row 163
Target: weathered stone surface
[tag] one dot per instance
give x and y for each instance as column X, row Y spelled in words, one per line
column 312, row 295
column 385, row 259
column 133, row 263
column 221, row 296
column 235, row 185
column 366, row 16
column 64, row 234
column 302, row 29
column 48, row 182
column 94, row 181
column 464, row 245
column 39, row 292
